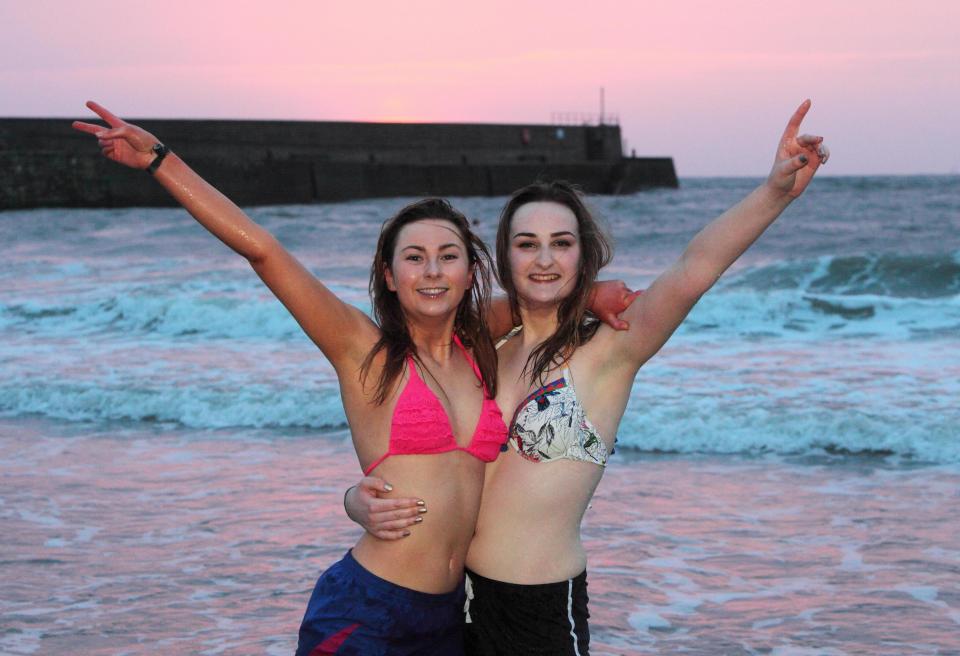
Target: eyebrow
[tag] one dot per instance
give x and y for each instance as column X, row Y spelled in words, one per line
column 552, row 234
column 421, row 248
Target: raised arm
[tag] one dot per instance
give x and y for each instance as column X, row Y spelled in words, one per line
column 664, row 305
column 342, row 332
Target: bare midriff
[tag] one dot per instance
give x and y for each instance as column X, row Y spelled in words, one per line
column 431, row 558
column 529, row 527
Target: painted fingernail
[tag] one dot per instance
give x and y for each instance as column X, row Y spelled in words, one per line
column 406, row 533
column 387, row 487
column 421, row 510
column 418, row 519
column 803, row 159
column 421, row 502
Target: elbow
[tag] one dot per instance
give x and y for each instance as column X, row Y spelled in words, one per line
column 258, row 249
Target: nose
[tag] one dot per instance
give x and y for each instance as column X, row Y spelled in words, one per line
column 432, row 269
column 544, row 257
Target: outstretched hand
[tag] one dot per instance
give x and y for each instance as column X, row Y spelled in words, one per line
column 798, row 157
column 122, row 142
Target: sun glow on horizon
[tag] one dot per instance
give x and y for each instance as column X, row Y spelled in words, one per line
column 686, row 79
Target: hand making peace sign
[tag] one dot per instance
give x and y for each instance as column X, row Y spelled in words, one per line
column 122, row 142
column 798, row 157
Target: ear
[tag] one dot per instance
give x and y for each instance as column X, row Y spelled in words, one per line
column 388, row 276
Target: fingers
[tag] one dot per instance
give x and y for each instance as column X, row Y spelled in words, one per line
column 373, row 485
column 613, row 320
column 628, row 298
column 793, row 125
column 395, row 524
column 89, row 128
column 115, row 133
column 396, row 518
column 104, row 113
column 823, row 153
column 398, row 534
column 397, row 505
column 794, row 164
column 809, row 140
column 632, row 296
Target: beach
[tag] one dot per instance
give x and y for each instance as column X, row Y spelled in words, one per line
column 173, row 451
column 128, row 542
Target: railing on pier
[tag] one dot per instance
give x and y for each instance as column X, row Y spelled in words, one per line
column 583, row 118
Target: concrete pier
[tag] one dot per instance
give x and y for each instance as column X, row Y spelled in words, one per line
column 46, row 163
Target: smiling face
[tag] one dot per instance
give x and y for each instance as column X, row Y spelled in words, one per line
column 544, row 253
column 430, row 270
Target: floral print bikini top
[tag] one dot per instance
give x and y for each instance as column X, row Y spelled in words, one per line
column 550, row 424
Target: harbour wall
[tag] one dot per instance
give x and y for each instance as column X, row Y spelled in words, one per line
column 48, row 164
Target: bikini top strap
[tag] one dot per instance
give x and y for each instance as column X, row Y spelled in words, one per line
column 466, row 354
column 506, row 338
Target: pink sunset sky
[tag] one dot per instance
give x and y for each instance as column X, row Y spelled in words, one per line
column 710, row 83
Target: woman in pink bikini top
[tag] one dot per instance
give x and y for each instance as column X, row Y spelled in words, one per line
column 420, row 425
column 417, row 384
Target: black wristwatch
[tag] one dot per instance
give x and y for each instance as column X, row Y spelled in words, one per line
column 160, row 151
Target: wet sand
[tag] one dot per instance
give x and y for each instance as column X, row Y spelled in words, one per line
column 125, row 541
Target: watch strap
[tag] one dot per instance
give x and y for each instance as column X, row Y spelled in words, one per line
column 161, row 152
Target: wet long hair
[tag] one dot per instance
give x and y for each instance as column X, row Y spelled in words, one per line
column 575, row 325
column 470, row 323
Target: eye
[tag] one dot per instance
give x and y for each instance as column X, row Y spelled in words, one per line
column 563, row 243
column 526, row 244
column 413, row 258
column 449, row 257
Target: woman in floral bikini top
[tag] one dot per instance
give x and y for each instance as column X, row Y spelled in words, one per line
column 526, row 566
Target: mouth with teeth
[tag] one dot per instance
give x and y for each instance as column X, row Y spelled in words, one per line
column 432, row 292
column 544, row 277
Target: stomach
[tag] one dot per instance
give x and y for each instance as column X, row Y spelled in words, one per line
column 431, row 558
column 528, row 530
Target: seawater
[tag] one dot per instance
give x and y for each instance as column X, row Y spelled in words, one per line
column 173, row 450
column 838, row 331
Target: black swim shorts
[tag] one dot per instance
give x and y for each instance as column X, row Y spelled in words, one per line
column 507, row 619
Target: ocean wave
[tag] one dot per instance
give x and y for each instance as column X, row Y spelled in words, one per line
column 250, row 406
column 697, row 426
column 925, row 437
column 890, row 297
column 199, row 312
column 884, row 275
column 886, row 295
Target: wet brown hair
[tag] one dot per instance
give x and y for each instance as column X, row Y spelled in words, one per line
column 470, row 323
column 575, row 326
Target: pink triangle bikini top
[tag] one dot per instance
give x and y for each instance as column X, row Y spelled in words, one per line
column 420, row 425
